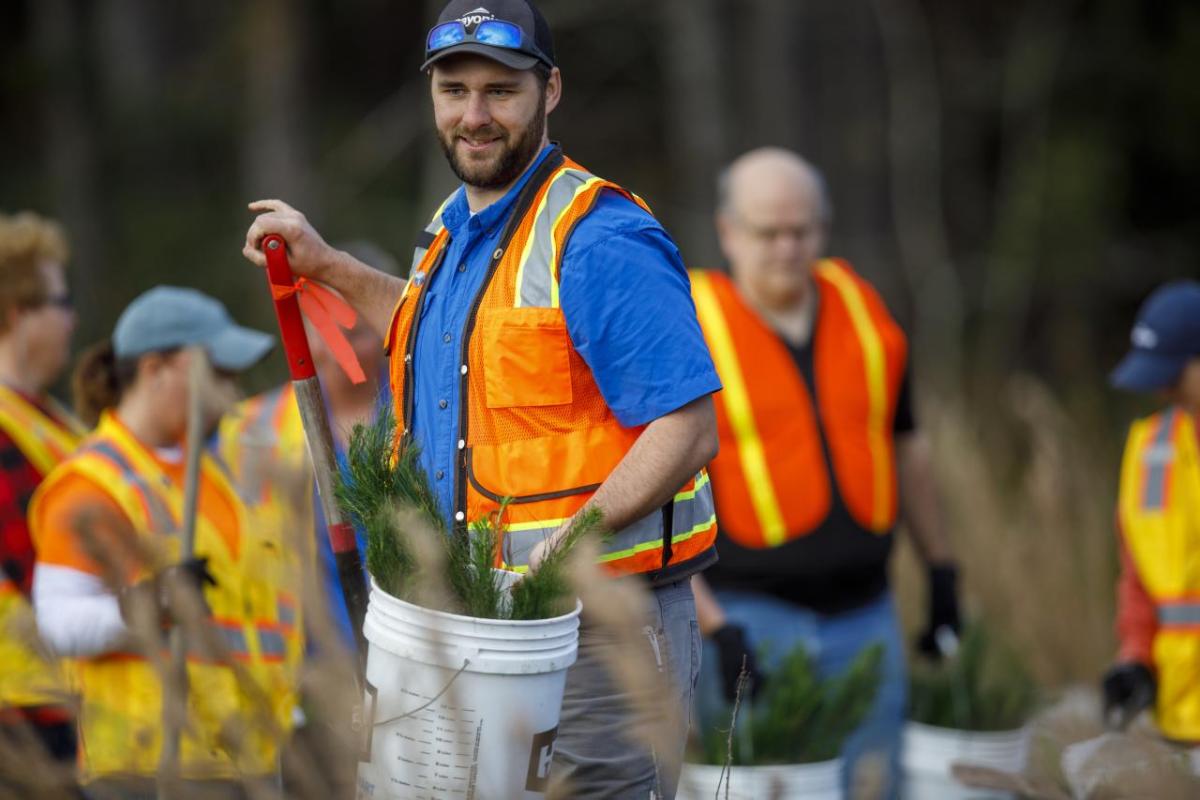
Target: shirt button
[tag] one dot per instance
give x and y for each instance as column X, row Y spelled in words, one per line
column 463, row 369
column 441, row 473
column 442, row 404
column 446, row 338
column 462, row 267
column 460, row 516
column 461, row 444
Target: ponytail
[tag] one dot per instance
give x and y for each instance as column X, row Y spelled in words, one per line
column 99, row 381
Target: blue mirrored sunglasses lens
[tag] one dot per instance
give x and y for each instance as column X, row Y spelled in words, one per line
column 499, row 34
column 444, row 35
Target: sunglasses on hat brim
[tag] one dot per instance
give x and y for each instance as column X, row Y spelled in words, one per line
column 492, row 32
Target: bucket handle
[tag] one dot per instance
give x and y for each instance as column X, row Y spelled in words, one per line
column 430, row 701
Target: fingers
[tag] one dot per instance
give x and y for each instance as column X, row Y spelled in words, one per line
column 260, row 206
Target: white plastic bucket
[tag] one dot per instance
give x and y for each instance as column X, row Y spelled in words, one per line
column 460, row 707
column 930, row 752
column 819, row 781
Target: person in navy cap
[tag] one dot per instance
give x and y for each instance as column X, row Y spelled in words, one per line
column 1158, row 516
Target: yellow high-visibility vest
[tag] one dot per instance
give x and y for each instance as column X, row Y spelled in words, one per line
column 1159, row 508
column 231, row 729
column 28, row 677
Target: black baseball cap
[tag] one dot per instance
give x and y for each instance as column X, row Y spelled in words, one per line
column 1165, row 337
column 530, row 43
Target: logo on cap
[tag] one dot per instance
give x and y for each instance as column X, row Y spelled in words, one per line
column 472, row 18
column 1144, row 337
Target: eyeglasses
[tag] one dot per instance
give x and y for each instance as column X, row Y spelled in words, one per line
column 64, row 301
column 493, row 32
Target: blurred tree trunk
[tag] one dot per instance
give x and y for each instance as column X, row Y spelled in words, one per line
column 915, row 161
column 131, row 66
column 695, row 119
column 1037, row 47
column 275, row 162
column 773, row 36
column 72, row 160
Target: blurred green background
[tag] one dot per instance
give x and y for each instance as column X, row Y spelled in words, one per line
column 1014, row 176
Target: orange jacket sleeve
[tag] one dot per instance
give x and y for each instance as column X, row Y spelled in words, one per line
column 1137, row 616
column 78, row 525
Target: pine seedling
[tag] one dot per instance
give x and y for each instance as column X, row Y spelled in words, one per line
column 546, row 591
column 983, row 687
column 800, row 718
column 470, row 559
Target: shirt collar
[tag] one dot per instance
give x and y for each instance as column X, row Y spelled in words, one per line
column 458, row 213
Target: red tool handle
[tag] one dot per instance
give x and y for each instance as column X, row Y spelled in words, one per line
column 287, row 309
column 342, row 539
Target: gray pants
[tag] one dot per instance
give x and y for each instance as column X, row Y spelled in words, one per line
column 594, row 751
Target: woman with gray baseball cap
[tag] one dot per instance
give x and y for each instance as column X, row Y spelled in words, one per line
column 105, row 523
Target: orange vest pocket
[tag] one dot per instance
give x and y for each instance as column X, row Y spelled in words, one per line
column 528, row 357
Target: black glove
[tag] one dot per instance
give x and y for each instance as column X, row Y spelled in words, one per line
column 943, row 608
column 732, row 646
column 195, row 572
column 1128, row 690
column 154, row 592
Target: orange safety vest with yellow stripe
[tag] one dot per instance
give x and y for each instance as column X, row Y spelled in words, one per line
column 262, row 443
column 28, row 677
column 770, row 476
column 230, row 726
column 535, row 429
column 1159, row 509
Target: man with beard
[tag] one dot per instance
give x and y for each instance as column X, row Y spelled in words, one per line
column 545, row 350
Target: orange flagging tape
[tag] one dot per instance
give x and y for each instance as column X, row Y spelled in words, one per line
column 329, row 314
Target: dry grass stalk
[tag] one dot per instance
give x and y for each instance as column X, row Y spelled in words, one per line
column 1029, row 499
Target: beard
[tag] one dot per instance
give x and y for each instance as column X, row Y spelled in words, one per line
column 517, row 150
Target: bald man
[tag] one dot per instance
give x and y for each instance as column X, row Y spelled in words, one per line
column 819, row 458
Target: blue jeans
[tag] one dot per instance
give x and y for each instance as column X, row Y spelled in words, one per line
column 834, row 641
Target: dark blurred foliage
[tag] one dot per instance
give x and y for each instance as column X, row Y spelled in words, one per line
column 1014, row 176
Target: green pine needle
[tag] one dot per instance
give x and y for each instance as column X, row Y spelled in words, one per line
column 546, row 592
column 985, row 686
column 375, row 491
column 800, row 718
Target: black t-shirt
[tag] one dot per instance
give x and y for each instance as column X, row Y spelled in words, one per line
column 837, row 567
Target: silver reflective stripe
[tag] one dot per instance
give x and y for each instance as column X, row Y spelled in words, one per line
column 519, row 543
column 270, row 643
column 535, row 272
column 1157, row 459
column 1179, row 614
column 693, row 513
column 433, row 229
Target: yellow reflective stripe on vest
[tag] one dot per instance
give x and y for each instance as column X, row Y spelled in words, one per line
column 736, row 400
column 693, row 513
column 40, row 438
column 875, row 366
column 539, row 287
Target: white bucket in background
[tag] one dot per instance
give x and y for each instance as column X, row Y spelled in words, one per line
column 819, row 781
column 459, row 707
column 930, row 752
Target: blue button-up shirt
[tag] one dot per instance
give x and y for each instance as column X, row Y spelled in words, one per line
column 626, row 299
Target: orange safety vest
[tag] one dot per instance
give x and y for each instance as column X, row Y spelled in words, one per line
column 770, row 476
column 27, row 677
column 229, row 731
column 535, row 429
column 1159, row 510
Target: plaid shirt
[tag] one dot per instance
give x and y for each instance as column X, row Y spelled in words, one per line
column 18, row 480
